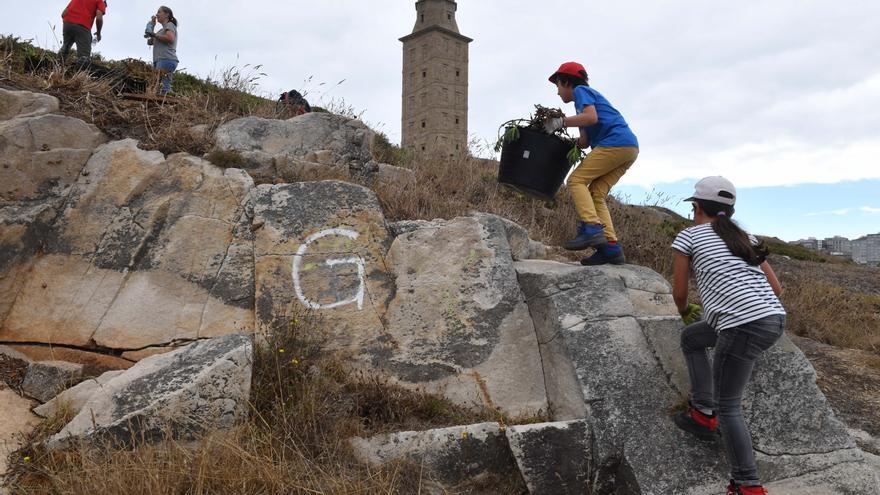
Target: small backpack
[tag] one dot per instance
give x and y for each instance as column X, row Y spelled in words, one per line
column 295, row 100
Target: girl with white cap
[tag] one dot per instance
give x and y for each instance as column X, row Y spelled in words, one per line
column 743, row 318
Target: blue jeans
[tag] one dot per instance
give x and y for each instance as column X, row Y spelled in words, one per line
column 167, row 67
column 720, row 388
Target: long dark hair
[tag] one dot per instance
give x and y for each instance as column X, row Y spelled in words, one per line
column 171, row 17
column 736, row 239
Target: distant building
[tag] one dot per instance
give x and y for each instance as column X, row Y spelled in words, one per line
column 435, row 81
column 866, row 250
column 837, row 245
column 810, row 243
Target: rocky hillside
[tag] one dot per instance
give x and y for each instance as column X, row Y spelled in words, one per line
column 163, row 267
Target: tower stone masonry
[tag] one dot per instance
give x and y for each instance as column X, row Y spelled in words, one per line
column 435, row 81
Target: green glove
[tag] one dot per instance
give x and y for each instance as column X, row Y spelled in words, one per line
column 692, row 313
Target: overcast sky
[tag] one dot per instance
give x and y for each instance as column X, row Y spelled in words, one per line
column 776, row 93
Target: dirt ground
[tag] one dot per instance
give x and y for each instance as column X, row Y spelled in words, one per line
column 850, row 380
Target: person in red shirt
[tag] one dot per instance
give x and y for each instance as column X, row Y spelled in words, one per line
column 79, row 16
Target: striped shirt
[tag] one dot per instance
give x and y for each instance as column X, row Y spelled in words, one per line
column 733, row 292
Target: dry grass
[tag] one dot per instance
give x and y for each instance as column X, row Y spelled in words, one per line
column 305, row 405
column 833, row 303
column 833, row 315
column 455, row 187
column 162, row 126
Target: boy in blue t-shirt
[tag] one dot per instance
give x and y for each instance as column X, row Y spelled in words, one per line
column 614, row 150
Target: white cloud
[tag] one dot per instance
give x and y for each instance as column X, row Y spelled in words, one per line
column 845, row 211
column 840, row 212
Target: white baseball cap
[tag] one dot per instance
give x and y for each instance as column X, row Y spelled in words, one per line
column 715, row 188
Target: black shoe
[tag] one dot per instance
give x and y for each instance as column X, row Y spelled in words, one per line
column 588, row 235
column 606, row 254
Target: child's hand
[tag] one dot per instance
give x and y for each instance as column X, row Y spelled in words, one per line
column 691, row 314
column 553, row 125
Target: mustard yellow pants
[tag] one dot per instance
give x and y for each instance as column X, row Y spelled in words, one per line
column 592, row 180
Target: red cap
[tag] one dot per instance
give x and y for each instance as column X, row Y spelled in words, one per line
column 570, row 68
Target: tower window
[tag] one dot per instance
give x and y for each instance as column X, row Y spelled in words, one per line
column 456, row 121
column 449, row 16
column 457, row 73
column 423, row 147
column 424, row 73
column 423, row 124
column 422, row 18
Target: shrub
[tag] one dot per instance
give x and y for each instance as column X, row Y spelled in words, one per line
column 226, row 158
column 386, row 152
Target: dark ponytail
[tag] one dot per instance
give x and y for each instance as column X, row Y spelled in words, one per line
column 171, row 17
column 734, row 237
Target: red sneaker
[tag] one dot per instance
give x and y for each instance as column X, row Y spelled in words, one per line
column 753, row 490
column 734, row 489
column 704, row 426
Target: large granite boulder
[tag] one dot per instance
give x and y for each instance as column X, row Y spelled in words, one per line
column 94, row 361
column 73, row 399
column 25, row 104
column 553, row 457
column 450, row 455
column 437, row 308
column 42, row 156
column 147, row 251
column 347, row 140
column 24, row 229
column 203, row 386
column 45, row 379
column 321, row 246
column 459, row 319
column 598, row 349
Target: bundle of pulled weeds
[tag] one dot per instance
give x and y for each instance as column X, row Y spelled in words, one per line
column 537, row 122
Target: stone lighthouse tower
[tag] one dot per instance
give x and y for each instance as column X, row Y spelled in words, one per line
column 435, row 81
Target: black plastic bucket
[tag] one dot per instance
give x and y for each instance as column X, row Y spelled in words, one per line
column 535, row 164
